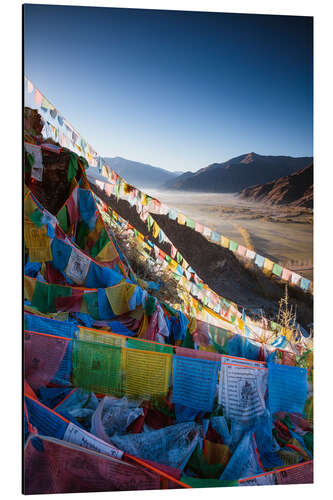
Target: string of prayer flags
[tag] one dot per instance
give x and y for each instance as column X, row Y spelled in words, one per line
column 194, row 382
column 58, row 127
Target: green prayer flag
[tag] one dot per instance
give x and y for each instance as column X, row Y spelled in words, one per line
column 233, row 246
column 97, row 367
column 72, row 167
column 190, row 223
column 45, row 295
column 308, row 440
column 62, row 218
column 29, row 163
column 133, row 343
column 100, row 243
column 150, row 222
column 196, row 482
column 179, row 258
column 199, row 465
column 91, row 300
column 36, row 217
column 188, row 341
column 81, row 234
column 277, row 270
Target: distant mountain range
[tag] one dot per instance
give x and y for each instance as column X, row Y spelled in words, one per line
column 295, row 189
column 139, row 174
column 234, row 175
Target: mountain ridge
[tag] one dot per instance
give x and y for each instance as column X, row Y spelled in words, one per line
column 295, row 189
column 238, row 173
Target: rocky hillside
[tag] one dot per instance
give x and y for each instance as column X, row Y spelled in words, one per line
column 295, row 189
column 238, row 173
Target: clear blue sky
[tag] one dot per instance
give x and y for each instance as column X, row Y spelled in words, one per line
column 178, row 90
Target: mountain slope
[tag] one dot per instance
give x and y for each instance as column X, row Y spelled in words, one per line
column 295, row 189
column 140, row 174
column 237, row 173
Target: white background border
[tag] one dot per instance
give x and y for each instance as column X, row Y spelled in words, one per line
column 11, row 227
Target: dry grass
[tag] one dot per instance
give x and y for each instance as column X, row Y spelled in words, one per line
column 144, row 266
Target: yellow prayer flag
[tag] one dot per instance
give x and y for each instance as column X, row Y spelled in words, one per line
column 192, row 326
column 95, row 233
column 184, row 264
column 173, row 265
column 181, row 219
column 105, row 171
column 118, row 297
column 100, row 337
column 156, row 230
column 309, row 359
column 241, row 324
column 38, row 243
column 225, row 241
column 41, row 254
column 107, row 254
column 29, row 205
column 29, row 288
column 60, row 315
column 143, row 326
column 208, row 348
column 144, row 199
column 147, row 373
column 268, row 264
column 35, row 237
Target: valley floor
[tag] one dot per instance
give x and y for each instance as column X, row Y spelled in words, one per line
column 284, row 234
